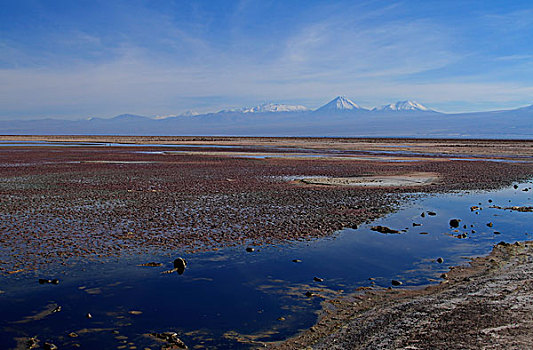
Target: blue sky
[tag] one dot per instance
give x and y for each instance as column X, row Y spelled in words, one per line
column 75, row 59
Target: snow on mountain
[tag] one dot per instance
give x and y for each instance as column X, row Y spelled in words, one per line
column 404, row 106
column 340, row 103
column 275, row 107
column 267, row 108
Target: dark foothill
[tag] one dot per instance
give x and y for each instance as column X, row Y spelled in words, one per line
column 49, row 346
column 490, row 224
column 383, row 229
column 318, row 279
column 396, row 283
column 179, row 265
column 454, row 223
column 296, row 261
column 250, row 250
column 431, row 213
column 440, row 260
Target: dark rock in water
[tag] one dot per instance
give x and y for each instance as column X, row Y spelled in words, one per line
column 497, row 232
column 423, row 215
column 431, row 213
column 89, row 315
column 490, row 224
column 454, row 223
column 444, row 276
column 415, row 224
column 179, row 265
column 32, row 343
column 309, row 294
column 49, row 346
column 440, row 260
column 423, row 233
column 490, row 200
column 318, row 279
column 43, row 281
column 296, row 261
column 383, row 229
column 515, row 187
column 171, row 338
column 56, row 309
column 151, row 264
column 250, row 250
column 354, row 226
column 525, row 189
column 55, row 281
column 396, row 283
column 474, row 208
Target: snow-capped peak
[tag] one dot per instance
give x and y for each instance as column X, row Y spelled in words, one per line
column 404, row 106
column 340, row 103
column 274, row 107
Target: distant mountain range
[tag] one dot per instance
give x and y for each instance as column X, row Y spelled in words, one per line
column 339, row 117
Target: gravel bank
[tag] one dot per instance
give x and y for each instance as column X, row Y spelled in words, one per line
column 487, row 305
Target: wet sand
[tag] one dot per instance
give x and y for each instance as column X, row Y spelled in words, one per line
column 487, row 305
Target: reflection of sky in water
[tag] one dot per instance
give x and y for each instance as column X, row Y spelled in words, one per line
column 232, row 290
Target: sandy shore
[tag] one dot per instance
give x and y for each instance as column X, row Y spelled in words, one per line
column 487, row 305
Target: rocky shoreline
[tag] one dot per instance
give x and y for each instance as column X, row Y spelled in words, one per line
column 486, row 305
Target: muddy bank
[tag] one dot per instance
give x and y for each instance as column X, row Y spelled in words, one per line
column 59, row 204
column 485, row 305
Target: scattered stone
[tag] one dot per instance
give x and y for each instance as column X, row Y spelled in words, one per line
column 474, row 208
column 318, row 279
column 151, row 264
column 32, row 343
column 396, row 283
column 383, row 229
column 73, row 334
column 440, row 260
column 250, row 250
column 56, row 309
column 454, row 223
column 49, row 346
column 171, row 338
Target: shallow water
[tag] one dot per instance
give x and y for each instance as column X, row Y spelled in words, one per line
column 229, row 292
